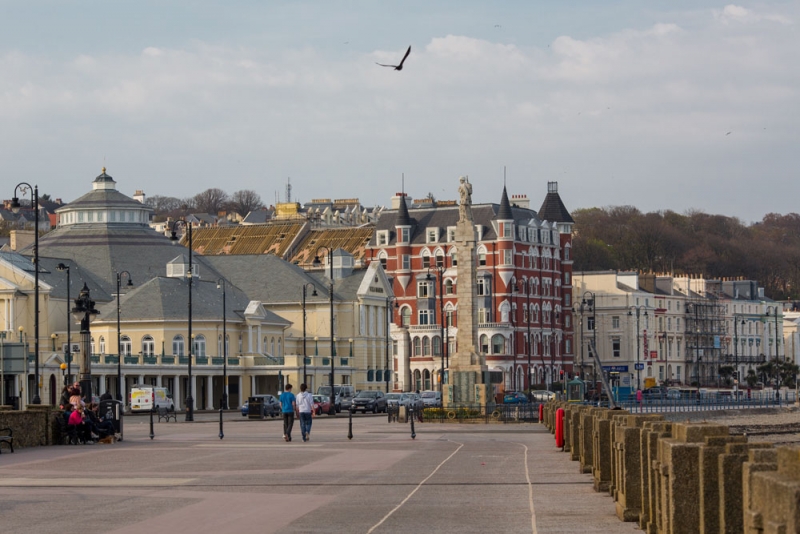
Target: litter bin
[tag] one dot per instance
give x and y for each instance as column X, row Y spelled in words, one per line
column 116, row 410
column 255, row 408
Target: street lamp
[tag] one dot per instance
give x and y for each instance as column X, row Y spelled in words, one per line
column 439, row 269
column 68, row 348
column 84, row 311
column 638, row 310
column 305, row 354
column 174, row 238
column 389, row 314
column 317, row 263
column 224, row 403
column 590, row 304
column 774, row 310
column 736, row 349
column 119, row 332
column 525, row 286
column 23, row 187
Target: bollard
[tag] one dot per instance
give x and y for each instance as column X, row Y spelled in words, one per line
column 389, row 411
column 152, row 434
column 413, row 432
column 541, row 413
column 560, row 428
column 350, row 424
column 221, row 435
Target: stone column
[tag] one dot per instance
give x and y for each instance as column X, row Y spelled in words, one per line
column 627, row 442
column 651, row 473
column 209, row 392
column 193, row 387
column 731, row 504
column 176, row 395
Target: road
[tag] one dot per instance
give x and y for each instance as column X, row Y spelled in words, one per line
column 451, row 478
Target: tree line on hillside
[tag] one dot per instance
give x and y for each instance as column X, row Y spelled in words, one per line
column 210, row 201
column 714, row 246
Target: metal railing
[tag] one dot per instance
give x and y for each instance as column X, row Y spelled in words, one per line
column 469, row 413
column 711, row 402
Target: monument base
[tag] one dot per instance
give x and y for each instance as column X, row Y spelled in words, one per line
column 469, row 387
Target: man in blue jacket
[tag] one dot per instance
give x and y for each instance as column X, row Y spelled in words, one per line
column 288, row 407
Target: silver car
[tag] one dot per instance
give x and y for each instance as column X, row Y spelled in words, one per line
column 432, row 399
column 415, row 401
column 397, row 399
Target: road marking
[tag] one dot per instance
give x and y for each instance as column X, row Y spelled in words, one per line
column 255, row 446
column 379, row 523
column 92, row 482
column 530, row 492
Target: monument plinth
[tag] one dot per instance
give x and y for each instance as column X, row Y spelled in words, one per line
column 469, row 377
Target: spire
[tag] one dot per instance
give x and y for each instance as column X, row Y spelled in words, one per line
column 403, row 218
column 504, row 213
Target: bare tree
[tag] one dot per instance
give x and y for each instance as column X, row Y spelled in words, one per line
column 210, row 201
column 245, row 201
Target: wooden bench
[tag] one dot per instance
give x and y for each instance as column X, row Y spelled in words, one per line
column 6, row 436
column 69, row 436
column 165, row 413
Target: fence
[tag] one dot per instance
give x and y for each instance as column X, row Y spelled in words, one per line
column 710, row 402
column 492, row 413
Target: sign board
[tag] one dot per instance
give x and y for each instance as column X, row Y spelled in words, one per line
column 638, row 366
column 654, row 354
column 616, row 368
column 76, row 348
column 717, row 342
column 626, row 381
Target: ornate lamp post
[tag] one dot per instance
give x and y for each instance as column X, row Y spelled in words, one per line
column 774, row 313
column 305, row 354
column 638, row 310
column 317, row 262
column 68, row 348
column 174, row 237
column 84, row 311
column 525, row 286
column 736, row 349
column 386, row 369
column 224, row 403
column 119, row 332
column 23, row 187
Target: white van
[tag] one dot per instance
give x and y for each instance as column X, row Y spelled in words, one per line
column 144, row 398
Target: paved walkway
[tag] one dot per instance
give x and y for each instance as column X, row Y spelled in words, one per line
column 451, row 478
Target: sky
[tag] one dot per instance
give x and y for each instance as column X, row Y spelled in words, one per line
column 663, row 105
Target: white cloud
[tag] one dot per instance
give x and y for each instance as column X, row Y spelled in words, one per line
column 737, row 14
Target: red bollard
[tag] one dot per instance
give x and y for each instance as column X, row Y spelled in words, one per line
column 560, row 428
column 541, row 413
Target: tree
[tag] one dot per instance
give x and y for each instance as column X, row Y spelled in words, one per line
column 245, row 201
column 211, row 201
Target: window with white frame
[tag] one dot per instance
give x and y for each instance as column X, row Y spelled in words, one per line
column 454, row 258
column 448, row 287
column 383, row 238
column 439, row 259
column 404, row 235
column 483, row 287
column 484, row 315
column 426, row 259
column 568, row 346
column 405, row 316
column 405, row 262
column 615, row 321
column 451, row 234
column 125, row 345
column 616, row 347
column 423, row 289
column 148, row 346
column 102, row 345
column 425, row 317
column 481, row 257
column 432, row 235
column 508, row 256
column 200, row 345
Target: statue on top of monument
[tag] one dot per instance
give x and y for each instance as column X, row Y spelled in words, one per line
column 465, row 207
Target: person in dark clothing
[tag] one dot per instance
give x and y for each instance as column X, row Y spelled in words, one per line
column 65, row 395
column 100, row 427
column 106, row 396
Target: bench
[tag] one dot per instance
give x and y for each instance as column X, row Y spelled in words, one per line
column 6, row 436
column 68, row 433
column 166, row 413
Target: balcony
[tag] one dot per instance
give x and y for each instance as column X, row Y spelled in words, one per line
column 131, row 360
column 167, row 360
column 268, row 360
column 111, row 359
column 150, row 360
column 201, row 360
column 495, row 326
column 95, row 358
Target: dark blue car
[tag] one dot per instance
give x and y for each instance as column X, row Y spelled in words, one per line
column 514, row 397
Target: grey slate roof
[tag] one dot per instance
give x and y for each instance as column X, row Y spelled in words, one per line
column 167, row 299
column 504, row 212
column 445, row 216
column 271, row 280
column 49, row 275
column 553, row 209
column 402, row 218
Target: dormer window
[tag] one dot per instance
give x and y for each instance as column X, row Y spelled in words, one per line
column 404, row 235
column 432, row 235
column 479, row 230
column 451, row 234
column 506, row 229
column 383, row 238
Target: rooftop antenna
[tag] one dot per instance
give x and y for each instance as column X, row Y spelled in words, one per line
column 289, row 190
column 504, row 176
column 403, row 183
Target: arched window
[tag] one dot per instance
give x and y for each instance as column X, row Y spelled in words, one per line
column 102, row 345
column 426, row 375
column 448, row 287
column 484, row 344
column 200, row 345
column 417, row 380
column 219, row 345
column 405, row 316
column 426, row 346
column 437, row 346
column 177, row 345
column 125, row 345
column 535, row 313
column 426, row 259
column 148, row 346
column 241, row 344
column 417, row 347
column 91, row 347
column 279, row 348
column 498, row 344
column 272, row 346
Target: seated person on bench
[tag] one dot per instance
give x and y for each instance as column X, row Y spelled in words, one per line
column 82, row 430
column 101, row 427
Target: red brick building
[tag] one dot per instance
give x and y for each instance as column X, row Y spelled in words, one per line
column 524, row 288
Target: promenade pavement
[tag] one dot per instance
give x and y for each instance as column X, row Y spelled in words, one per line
column 458, row 478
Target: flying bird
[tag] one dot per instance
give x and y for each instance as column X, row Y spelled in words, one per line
column 728, row 133
column 400, row 66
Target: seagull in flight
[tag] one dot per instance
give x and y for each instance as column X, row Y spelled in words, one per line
column 400, row 66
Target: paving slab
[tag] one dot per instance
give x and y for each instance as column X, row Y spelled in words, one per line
column 458, row 478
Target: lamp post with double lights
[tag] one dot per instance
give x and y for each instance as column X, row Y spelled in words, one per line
column 317, row 263
column 439, row 269
column 772, row 311
column 174, row 238
column 221, row 285
column 305, row 354
column 525, row 286
column 590, row 304
column 119, row 330
column 638, row 310
column 387, row 371
column 23, row 187
column 84, row 311
column 68, row 348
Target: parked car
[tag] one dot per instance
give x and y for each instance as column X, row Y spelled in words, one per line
column 322, row 404
column 343, row 395
column 415, row 401
column 514, row 397
column 270, row 406
column 369, row 400
column 432, row 399
column 397, row 399
column 542, row 395
column 654, row 393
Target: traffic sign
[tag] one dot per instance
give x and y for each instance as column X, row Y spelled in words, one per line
column 638, row 366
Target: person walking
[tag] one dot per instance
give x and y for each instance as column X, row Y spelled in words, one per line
column 305, row 409
column 288, row 407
